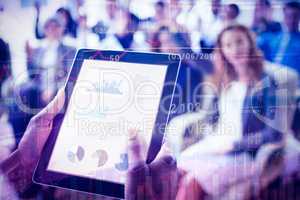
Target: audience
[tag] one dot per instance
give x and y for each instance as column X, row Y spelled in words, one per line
column 69, row 24
column 284, row 47
column 263, row 19
column 230, row 13
column 227, row 15
column 197, row 30
column 161, row 17
column 49, row 63
column 117, row 30
column 85, row 37
column 211, row 24
column 126, row 27
column 107, row 25
column 64, row 16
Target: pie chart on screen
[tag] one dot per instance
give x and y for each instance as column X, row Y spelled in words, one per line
column 76, row 155
column 123, row 164
column 101, row 156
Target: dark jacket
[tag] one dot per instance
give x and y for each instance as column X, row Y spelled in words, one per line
column 258, row 116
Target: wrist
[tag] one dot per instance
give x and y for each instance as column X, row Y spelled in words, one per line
column 16, row 172
column 11, row 162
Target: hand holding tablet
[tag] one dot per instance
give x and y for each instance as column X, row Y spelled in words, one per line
column 38, row 131
column 157, row 180
column 107, row 93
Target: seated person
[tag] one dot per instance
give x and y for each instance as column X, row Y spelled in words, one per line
column 284, row 47
column 127, row 25
column 228, row 15
column 245, row 116
column 48, row 66
column 64, row 16
column 49, row 63
column 263, row 21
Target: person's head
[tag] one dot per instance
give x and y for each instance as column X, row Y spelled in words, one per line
column 263, row 9
column 291, row 12
column 230, row 12
column 160, row 7
column 236, row 54
column 64, row 16
column 127, row 22
column 172, row 42
column 263, row 4
column 5, row 70
column 215, row 7
column 53, row 29
column 112, row 8
column 164, row 37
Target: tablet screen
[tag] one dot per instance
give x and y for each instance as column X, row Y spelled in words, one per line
column 108, row 99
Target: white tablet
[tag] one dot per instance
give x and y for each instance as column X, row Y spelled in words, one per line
column 108, row 93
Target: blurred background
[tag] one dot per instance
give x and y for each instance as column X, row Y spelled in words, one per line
column 39, row 39
column 18, row 20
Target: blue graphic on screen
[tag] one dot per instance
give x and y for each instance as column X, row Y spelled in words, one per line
column 110, row 87
column 123, row 165
column 96, row 113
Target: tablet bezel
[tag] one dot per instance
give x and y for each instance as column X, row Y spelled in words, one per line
column 101, row 187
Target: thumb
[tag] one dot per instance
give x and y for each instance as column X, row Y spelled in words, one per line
column 45, row 117
column 135, row 187
column 55, row 106
column 135, row 155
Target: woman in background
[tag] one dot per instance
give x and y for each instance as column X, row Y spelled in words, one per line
column 243, row 121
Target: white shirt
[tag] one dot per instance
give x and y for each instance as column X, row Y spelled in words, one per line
column 230, row 109
column 50, row 58
column 229, row 126
column 49, row 63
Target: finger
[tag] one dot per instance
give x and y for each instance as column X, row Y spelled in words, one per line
column 164, row 164
column 138, row 184
column 45, row 117
column 55, row 106
column 165, row 176
column 136, row 187
column 166, row 150
column 164, row 173
column 135, row 154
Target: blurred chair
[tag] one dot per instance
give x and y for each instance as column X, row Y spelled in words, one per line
column 272, row 160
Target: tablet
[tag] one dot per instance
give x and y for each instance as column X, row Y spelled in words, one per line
column 107, row 93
